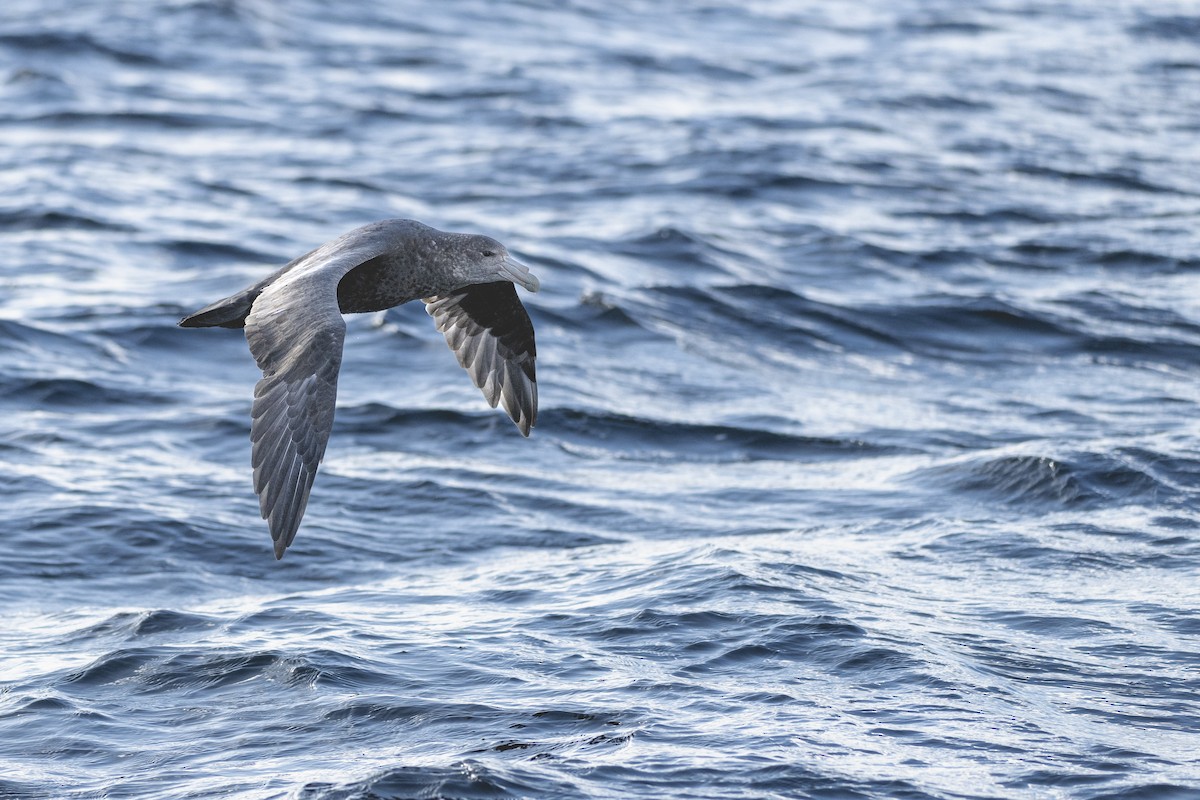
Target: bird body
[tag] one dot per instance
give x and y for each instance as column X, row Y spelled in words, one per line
column 293, row 324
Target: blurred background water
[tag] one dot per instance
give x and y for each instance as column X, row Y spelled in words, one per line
column 867, row 463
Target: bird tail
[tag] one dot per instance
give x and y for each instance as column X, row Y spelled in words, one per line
column 228, row 313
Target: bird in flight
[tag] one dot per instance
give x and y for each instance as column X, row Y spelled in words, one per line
column 294, row 326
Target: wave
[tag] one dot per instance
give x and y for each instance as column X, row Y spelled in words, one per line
column 40, row 219
column 1080, row 480
column 650, row 439
column 73, row 392
column 74, row 43
column 981, row 328
column 153, row 669
column 637, row 438
column 1168, row 27
column 463, row 780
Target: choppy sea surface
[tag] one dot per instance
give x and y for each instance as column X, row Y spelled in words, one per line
column 869, row 450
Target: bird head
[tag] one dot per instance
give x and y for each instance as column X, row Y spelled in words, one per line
column 489, row 261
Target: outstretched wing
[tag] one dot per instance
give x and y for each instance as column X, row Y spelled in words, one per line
column 491, row 334
column 292, row 413
column 295, row 332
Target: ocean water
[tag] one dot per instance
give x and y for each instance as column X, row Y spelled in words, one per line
column 869, row 448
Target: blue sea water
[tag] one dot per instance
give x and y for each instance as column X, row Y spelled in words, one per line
column 869, row 448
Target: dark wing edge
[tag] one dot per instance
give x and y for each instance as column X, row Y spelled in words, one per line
column 491, row 334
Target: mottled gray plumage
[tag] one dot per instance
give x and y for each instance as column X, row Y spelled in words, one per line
column 293, row 322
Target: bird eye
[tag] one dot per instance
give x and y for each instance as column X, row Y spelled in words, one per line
column 489, row 253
